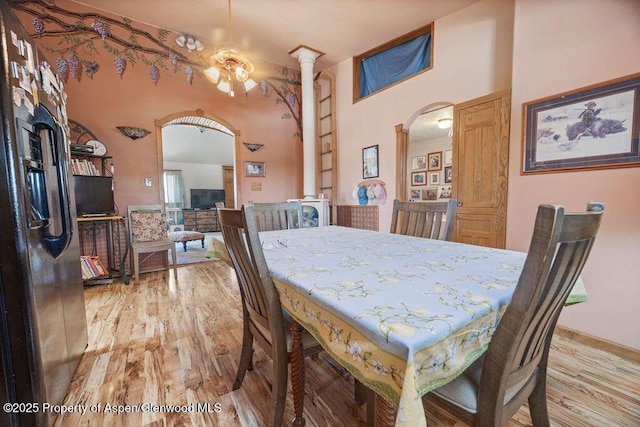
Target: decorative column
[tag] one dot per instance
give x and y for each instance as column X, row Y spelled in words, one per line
column 307, row 57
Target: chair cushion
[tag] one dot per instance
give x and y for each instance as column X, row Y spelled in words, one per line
column 148, row 226
column 463, row 390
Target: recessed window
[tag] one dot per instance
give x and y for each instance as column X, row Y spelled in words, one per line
column 392, row 62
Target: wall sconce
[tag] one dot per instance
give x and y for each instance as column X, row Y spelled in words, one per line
column 133, row 132
column 252, row 147
column 189, row 43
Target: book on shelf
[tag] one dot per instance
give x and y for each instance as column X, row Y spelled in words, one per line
column 84, row 167
column 92, row 267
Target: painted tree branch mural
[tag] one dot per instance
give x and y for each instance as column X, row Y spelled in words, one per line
column 77, row 35
column 76, row 39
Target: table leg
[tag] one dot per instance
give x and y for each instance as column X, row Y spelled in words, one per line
column 385, row 413
column 297, row 373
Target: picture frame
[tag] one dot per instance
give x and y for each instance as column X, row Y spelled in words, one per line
column 418, row 163
column 370, row 162
column 448, row 174
column 592, row 127
column 434, row 161
column 444, row 192
column 430, row 194
column 434, row 178
column 418, row 178
column 415, row 194
column 448, row 157
column 254, row 169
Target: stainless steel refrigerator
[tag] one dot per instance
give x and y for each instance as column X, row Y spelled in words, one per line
column 43, row 328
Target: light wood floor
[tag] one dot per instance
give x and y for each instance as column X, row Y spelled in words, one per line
column 163, row 341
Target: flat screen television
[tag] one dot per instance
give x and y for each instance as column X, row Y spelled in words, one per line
column 94, row 195
column 205, row 198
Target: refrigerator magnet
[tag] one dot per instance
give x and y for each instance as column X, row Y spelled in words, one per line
column 31, row 65
column 17, row 98
column 16, row 70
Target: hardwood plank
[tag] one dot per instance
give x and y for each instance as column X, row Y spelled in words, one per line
column 164, row 341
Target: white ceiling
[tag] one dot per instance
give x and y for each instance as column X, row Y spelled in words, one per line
column 268, row 30
column 193, row 144
column 425, row 126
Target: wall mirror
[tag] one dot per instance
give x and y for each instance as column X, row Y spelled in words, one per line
column 428, row 156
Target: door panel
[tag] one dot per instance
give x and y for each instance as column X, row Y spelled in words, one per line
column 481, row 151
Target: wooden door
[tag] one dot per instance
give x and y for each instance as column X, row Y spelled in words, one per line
column 228, row 185
column 480, row 169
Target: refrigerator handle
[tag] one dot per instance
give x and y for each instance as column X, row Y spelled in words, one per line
column 56, row 245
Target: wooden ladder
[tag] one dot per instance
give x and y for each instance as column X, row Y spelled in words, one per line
column 326, row 141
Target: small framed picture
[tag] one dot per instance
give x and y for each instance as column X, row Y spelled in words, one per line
column 370, row 162
column 430, row 194
column 254, row 169
column 418, row 178
column 435, row 161
column 448, row 157
column 434, row 178
column 444, row 192
column 418, row 163
column 415, row 194
column 447, row 174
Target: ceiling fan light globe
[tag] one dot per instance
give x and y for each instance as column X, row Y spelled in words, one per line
column 249, row 84
column 212, row 74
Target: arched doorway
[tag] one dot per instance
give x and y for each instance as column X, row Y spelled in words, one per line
column 196, row 140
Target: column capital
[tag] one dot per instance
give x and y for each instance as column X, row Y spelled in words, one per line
column 304, row 53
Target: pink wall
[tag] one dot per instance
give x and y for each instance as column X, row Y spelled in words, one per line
column 538, row 49
column 561, row 46
column 107, row 101
column 473, row 42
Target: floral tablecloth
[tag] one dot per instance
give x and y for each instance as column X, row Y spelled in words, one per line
column 403, row 314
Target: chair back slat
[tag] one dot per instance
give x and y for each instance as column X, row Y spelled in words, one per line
column 424, row 219
column 278, row 216
column 518, row 350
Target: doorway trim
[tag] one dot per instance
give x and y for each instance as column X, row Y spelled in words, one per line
column 160, row 123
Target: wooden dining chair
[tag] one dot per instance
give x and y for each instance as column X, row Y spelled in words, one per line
column 278, row 216
column 424, row 219
column 263, row 318
column 514, row 368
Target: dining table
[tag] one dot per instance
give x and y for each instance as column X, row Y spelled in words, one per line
column 404, row 315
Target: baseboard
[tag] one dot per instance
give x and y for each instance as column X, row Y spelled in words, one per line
column 599, row 343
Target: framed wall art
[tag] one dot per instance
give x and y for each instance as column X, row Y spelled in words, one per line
column 444, row 192
column 435, row 161
column 589, row 128
column 254, row 169
column 447, row 174
column 370, row 162
column 448, row 157
column 434, row 178
column 430, row 194
column 418, row 163
column 418, row 178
